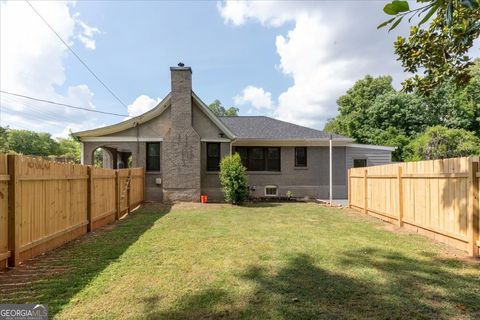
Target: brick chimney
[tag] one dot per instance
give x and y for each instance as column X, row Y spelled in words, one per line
column 181, row 95
column 181, row 146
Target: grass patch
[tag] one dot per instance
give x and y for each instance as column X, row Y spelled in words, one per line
column 267, row 261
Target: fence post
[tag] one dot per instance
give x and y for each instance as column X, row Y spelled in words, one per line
column 473, row 207
column 349, row 188
column 129, row 185
column 365, row 191
column 13, row 212
column 89, row 199
column 117, row 195
column 400, row 196
column 144, row 184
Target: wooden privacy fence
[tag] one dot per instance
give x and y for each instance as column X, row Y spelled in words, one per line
column 436, row 198
column 45, row 204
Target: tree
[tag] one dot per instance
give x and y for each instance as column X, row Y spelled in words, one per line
column 69, row 147
column 440, row 142
column 4, row 148
column 354, row 104
column 220, row 111
column 456, row 107
column 372, row 112
column 32, row 143
column 442, row 49
column 233, row 179
column 405, row 112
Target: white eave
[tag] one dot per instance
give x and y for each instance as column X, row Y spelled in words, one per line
column 127, row 124
column 371, row 146
column 338, row 142
column 147, row 116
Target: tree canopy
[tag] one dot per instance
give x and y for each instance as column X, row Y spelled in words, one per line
column 220, row 111
column 441, row 50
column 37, row 144
column 373, row 112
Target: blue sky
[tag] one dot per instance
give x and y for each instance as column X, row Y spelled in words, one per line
column 288, row 60
column 223, row 58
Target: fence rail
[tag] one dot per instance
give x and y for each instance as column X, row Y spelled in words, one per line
column 436, row 198
column 44, row 204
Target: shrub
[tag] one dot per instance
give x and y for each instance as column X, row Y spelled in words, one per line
column 233, row 179
column 439, row 142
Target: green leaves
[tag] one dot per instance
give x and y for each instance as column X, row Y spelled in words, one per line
column 383, row 24
column 395, row 7
column 439, row 51
column 233, row 179
column 427, row 17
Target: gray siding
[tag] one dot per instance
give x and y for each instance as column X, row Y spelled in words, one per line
column 210, row 180
column 203, row 125
column 374, row 157
column 311, row 181
column 155, row 128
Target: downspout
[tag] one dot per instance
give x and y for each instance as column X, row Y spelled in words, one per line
column 82, row 153
column 330, row 169
column 231, row 146
column 138, row 145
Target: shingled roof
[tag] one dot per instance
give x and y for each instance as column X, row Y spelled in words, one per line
column 265, row 128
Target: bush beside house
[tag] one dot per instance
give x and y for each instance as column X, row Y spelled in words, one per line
column 233, row 179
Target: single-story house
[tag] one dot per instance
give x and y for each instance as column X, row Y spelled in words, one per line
column 180, row 143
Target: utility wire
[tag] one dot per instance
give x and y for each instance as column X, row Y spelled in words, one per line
column 76, row 55
column 35, row 112
column 63, row 104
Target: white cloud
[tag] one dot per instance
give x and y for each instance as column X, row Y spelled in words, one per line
column 87, row 33
column 141, row 105
column 33, row 63
column 256, row 97
column 330, row 45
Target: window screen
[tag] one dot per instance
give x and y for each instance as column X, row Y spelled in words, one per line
column 359, row 163
column 300, row 156
column 153, row 156
column 213, row 156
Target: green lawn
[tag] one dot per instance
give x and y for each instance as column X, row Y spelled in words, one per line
column 271, row 261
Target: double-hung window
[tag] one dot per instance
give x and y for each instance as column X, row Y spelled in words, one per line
column 300, row 156
column 153, row 156
column 213, row 156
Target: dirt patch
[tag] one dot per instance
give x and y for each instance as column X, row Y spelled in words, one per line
column 37, row 268
column 184, row 205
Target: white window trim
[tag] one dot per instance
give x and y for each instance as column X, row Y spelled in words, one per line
column 271, row 186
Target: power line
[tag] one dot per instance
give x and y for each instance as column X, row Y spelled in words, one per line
column 63, row 104
column 76, row 55
column 36, row 112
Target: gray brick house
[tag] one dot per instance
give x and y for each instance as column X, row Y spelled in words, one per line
column 180, row 143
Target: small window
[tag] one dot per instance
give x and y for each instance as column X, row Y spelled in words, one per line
column 300, row 156
column 359, row 163
column 153, row 156
column 271, row 191
column 213, row 156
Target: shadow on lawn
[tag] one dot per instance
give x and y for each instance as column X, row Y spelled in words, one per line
column 58, row 275
column 413, row 289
